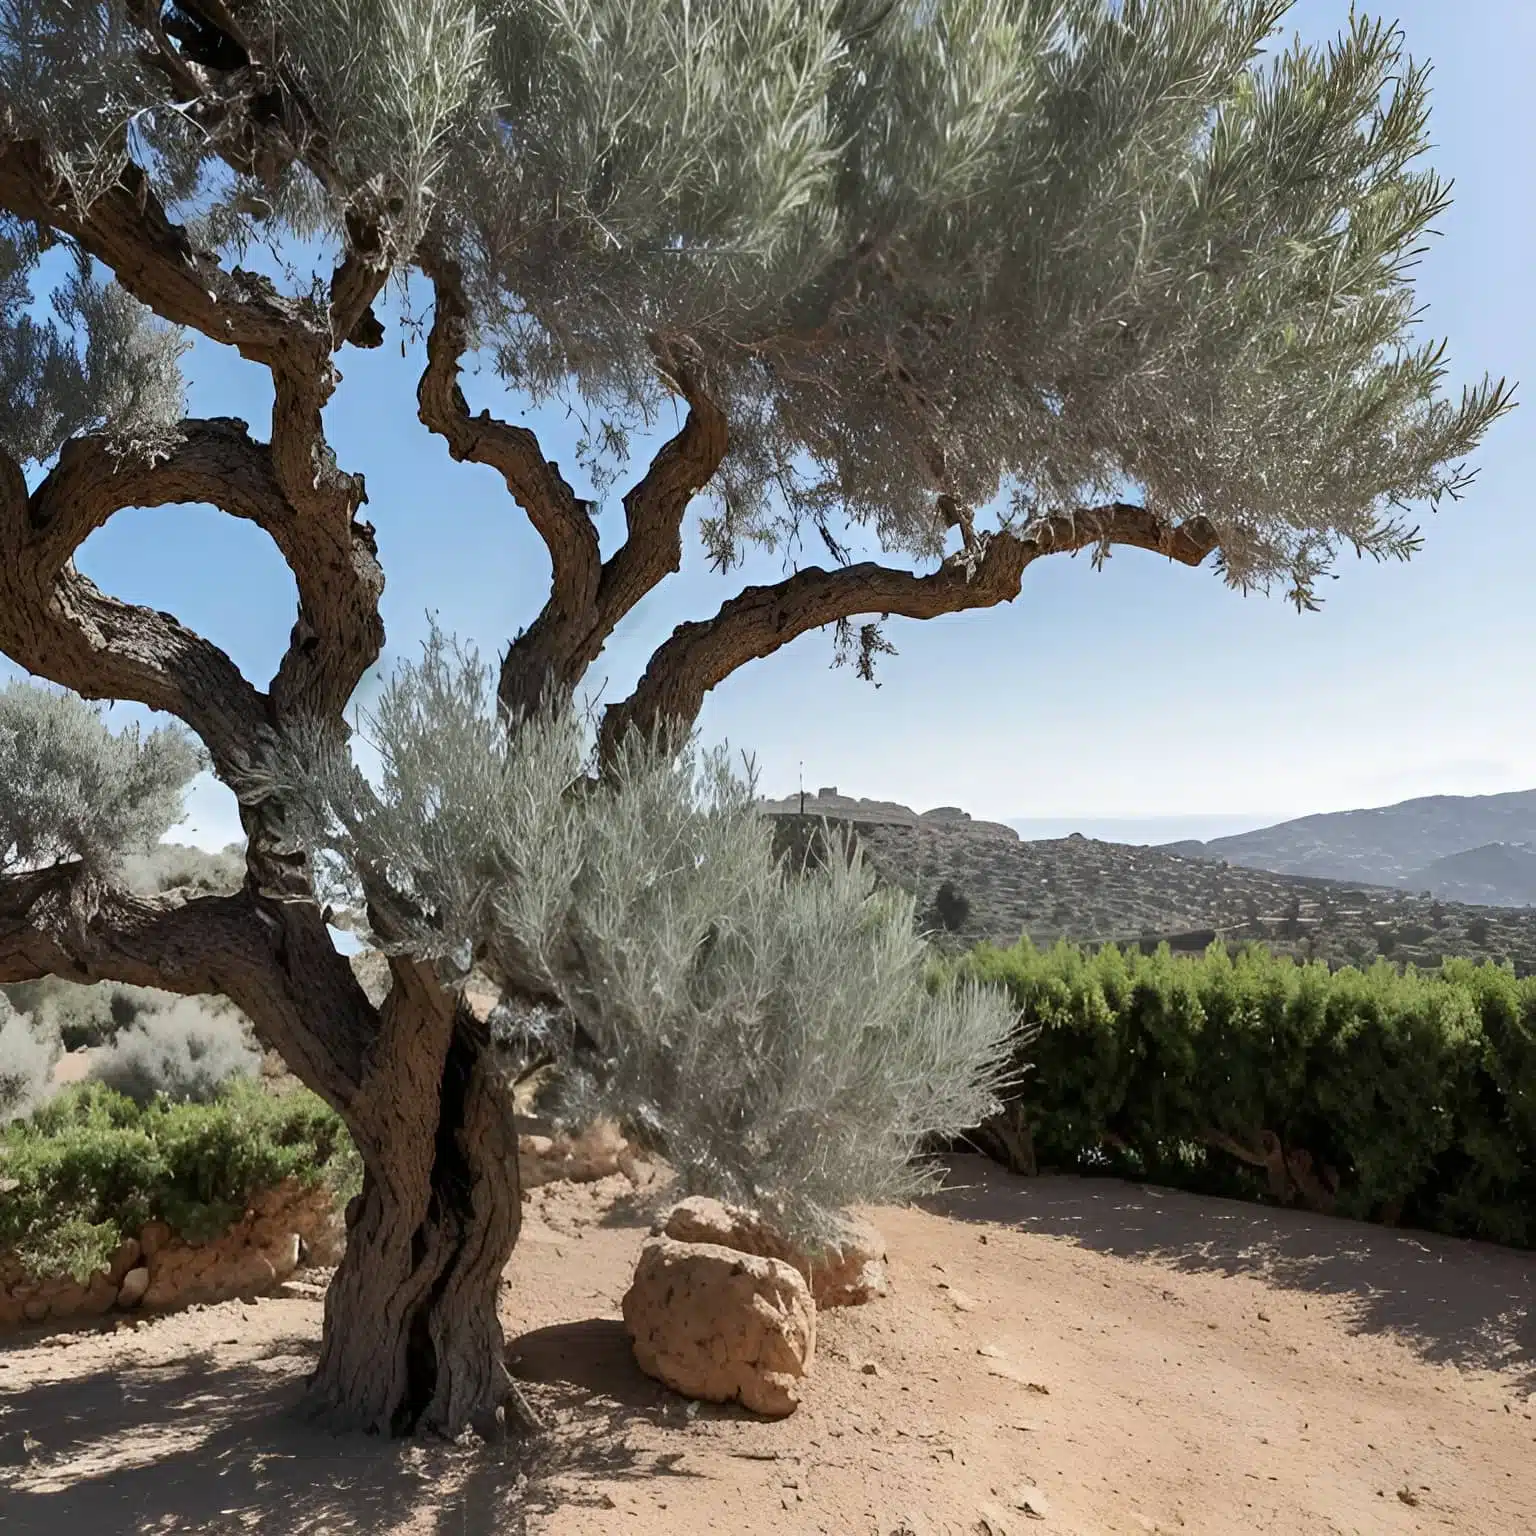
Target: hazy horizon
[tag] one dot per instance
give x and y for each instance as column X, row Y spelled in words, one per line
column 208, row 826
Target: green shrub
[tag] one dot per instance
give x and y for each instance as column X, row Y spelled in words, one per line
column 91, row 1166
column 1412, row 1094
column 27, row 1055
column 83, row 1015
column 186, row 1052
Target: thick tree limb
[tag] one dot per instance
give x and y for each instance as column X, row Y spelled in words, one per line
column 338, row 633
column 559, row 648
column 56, row 624
column 536, row 484
column 60, row 922
column 759, row 620
column 654, row 509
column 588, row 597
column 127, row 230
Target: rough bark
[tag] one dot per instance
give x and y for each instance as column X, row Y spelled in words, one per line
column 275, row 961
column 589, row 597
column 412, row 1337
column 413, row 1340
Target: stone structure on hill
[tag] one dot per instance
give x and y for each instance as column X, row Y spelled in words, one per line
column 883, row 813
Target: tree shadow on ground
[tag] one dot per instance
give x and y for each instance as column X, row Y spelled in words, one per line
column 202, row 1445
column 606, row 1421
column 1464, row 1303
column 197, row 1445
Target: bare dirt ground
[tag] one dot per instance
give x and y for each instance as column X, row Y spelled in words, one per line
column 1143, row 1361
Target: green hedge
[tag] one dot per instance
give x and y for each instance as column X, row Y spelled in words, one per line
column 1385, row 1094
column 90, row 1167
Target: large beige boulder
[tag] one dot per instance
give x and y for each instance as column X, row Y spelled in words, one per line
column 722, row 1326
column 846, row 1275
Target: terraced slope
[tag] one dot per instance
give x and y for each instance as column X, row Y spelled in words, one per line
column 1077, row 888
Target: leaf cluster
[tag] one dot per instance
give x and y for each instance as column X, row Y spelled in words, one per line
column 72, row 789
column 1018, row 254
column 27, row 1055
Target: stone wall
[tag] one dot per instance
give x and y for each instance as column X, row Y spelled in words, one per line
column 158, row 1270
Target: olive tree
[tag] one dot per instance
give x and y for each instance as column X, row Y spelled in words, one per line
column 986, row 279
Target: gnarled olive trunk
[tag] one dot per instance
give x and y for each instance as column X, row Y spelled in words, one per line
column 412, row 1337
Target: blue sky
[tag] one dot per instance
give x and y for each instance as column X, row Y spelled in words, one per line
column 1140, row 691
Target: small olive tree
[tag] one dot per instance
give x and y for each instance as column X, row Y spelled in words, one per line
column 73, row 796
column 27, row 1055
column 773, row 1031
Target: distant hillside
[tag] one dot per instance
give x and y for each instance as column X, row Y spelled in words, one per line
column 1498, row 874
column 1393, row 845
column 1079, row 889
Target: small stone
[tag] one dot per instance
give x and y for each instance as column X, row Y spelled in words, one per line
column 100, row 1295
column 123, row 1259
column 67, row 1300
column 1029, row 1501
column 131, row 1292
column 283, row 1255
column 153, row 1236
column 247, row 1274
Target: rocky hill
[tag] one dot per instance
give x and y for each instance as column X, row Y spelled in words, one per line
column 1398, row 845
column 1080, row 889
column 1498, row 874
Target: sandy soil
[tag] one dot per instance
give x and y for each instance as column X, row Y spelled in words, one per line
column 1142, row 1361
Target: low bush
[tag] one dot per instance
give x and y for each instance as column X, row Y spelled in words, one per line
column 185, row 1052
column 27, row 1055
column 90, row 1167
column 174, row 866
column 764, row 1023
column 1380, row 1094
column 83, row 1015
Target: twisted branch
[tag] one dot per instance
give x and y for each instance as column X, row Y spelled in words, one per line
column 760, row 620
column 588, row 597
column 58, row 922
